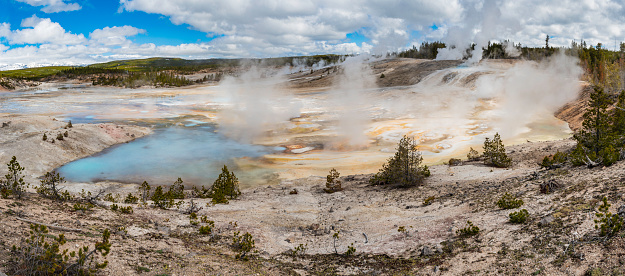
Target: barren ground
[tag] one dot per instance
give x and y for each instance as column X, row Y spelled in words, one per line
column 559, row 237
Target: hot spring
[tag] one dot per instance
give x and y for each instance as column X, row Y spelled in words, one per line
column 263, row 129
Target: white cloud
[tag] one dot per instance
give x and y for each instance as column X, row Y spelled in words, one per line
column 114, row 35
column 39, row 31
column 52, row 6
column 250, row 28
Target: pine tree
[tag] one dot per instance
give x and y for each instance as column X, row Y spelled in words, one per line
column 404, row 168
column 495, row 153
column 14, row 180
column 225, row 187
column 598, row 133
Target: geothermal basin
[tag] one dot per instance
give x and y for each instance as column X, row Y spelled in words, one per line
column 287, row 125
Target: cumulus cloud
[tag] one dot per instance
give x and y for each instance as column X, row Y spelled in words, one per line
column 114, row 35
column 249, row 28
column 39, row 31
column 52, row 6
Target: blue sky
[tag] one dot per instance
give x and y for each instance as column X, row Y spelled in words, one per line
column 73, row 32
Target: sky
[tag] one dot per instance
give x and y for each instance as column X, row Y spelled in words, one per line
column 77, row 32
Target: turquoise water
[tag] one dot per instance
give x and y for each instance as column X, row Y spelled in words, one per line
column 195, row 154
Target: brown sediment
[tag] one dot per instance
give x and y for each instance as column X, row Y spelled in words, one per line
column 573, row 112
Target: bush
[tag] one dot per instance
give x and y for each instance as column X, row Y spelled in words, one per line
column 351, row 250
column 131, row 199
column 428, row 200
column 469, row 230
column 333, row 184
column 36, row 256
column 49, row 187
column 59, row 137
column 13, row 184
column 608, row 224
column 473, row 155
column 403, row 169
column 82, row 207
column 161, row 199
column 519, row 217
column 45, row 137
column 243, row 244
column 454, row 162
column 123, row 210
column 225, row 187
column 176, row 191
column 495, row 153
column 554, row 161
column 200, row 193
column 207, row 229
column 508, row 201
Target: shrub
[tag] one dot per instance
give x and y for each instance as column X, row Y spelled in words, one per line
column 65, row 134
column 45, row 137
column 123, row 210
column 49, row 187
column 333, row 184
column 82, row 207
column 508, row 201
column 110, row 198
column 13, row 184
column 554, row 161
column 608, row 224
column 469, row 230
column 207, row 229
column 351, row 250
column 176, row 191
column 225, row 187
column 59, row 137
column 403, row 169
column 382, row 76
column 200, row 193
column 69, row 125
column 428, row 200
column 454, row 162
column 519, row 217
column 299, row 250
column 243, row 244
column 473, row 155
column 131, row 199
column 161, row 199
column 36, row 256
column 495, row 153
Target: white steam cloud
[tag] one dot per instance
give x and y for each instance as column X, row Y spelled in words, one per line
column 257, row 104
column 481, row 24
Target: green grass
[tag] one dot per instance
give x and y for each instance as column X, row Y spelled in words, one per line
column 33, row 73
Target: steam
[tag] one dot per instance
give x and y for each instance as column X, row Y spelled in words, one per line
column 511, row 50
column 350, row 101
column 481, row 25
column 531, row 89
column 257, row 104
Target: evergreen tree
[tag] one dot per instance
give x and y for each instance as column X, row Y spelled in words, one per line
column 495, row 153
column 225, row 187
column 404, row 168
column 596, row 133
column 14, row 180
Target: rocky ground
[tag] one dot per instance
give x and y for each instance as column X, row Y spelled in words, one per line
column 559, row 237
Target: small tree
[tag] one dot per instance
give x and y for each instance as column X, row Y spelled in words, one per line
column 597, row 141
column 13, row 184
column 404, row 168
column 177, row 190
column 144, row 190
column 495, row 153
column 333, row 184
column 50, row 187
column 161, row 199
column 225, row 187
